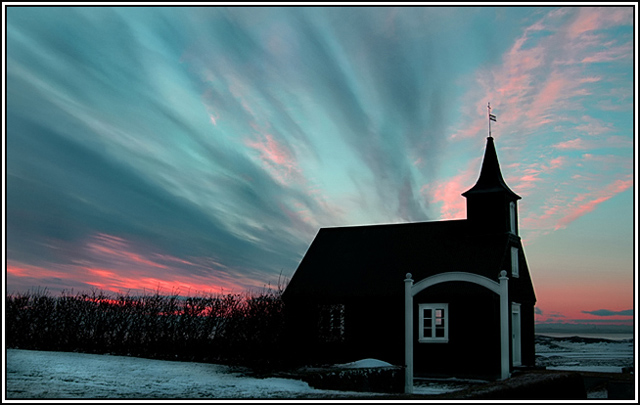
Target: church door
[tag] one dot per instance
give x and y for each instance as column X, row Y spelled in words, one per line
column 516, row 345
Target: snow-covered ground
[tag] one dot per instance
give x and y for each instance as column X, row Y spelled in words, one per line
column 584, row 354
column 58, row 375
column 53, row 375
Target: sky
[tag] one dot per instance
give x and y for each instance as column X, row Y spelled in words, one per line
column 200, row 149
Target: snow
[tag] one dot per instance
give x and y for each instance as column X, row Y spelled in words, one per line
column 441, row 386
column 365, row 363
column 583, row 354
column 595, row 369
column 54, row 375
column 57, row 375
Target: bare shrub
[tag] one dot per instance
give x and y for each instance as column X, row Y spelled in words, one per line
column 230, row 328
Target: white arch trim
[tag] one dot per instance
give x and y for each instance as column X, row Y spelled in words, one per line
column 502, row 289
column 455, row 276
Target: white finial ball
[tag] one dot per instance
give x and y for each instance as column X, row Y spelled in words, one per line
column 503, row 273
column 407, row 276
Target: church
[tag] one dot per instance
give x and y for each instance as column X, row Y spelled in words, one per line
column 346, row 300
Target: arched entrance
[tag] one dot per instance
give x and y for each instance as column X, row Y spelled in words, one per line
column 410, row 290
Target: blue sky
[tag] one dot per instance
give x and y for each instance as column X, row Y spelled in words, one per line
column 201, row 148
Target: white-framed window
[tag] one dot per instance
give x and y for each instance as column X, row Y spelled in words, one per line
column 331, row 323
column 512, row 216
column 515, row 267
column 433, row 323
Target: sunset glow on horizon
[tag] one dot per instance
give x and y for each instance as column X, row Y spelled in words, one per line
column 198, row 150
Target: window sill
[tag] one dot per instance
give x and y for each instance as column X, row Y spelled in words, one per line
column 433, row 340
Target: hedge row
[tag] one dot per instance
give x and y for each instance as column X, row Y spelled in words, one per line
column 232, row 328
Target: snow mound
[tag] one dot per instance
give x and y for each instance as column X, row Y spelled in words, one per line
column 365, row 363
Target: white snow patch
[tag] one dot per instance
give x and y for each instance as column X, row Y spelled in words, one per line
column 435, row 388
column 575, row 355
column 57, row 375
column 594, row 369
column 365, row 363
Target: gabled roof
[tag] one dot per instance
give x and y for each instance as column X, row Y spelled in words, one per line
column 490, row 179
column 372, row 260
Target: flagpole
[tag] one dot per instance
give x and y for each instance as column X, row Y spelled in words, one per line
column 492, row 117
column 489, row 110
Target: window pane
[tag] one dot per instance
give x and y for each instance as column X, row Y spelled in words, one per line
column 427, row 333
column 439, row 332
column 438, row 313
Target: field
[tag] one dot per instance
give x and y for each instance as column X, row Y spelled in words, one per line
column 91, row 346
column 53, row 375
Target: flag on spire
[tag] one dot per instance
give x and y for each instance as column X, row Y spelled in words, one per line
column 492, row 117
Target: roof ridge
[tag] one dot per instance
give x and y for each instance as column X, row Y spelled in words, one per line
column 442, row 221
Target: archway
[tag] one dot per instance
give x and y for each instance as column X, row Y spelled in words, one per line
column 499, row 288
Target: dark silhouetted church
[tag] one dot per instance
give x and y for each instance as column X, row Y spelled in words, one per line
column 345, row 301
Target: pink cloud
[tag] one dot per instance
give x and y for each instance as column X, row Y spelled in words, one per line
column 111, row 279
column 590, row 79
column 448, row 193
column 595, row 18
column 575, row 211
column 572, row 144
column 593, row 126
column 111, row 263
column 17, row 269
column 546, row 98
column 611, row 54
column 117, row 248
column 588, row 20
column 277, row 159
column 543, row 75
column 527, row 177
column 615, row 141
column 557, row 162
column 477, row 127
column 606, row 160
column 176, row 259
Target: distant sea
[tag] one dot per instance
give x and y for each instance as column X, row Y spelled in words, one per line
column 609, row 336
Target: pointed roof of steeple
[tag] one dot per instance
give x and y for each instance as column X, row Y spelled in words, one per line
column 490, row 180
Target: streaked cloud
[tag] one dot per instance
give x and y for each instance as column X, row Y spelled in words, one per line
column 585, row 203
column 203, row 147
column 606, row 312
column 542, row 86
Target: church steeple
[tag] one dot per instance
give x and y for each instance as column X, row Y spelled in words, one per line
column 491, row 204
column 490, row 179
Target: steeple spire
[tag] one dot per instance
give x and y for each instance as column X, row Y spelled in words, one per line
column 491, row 205
column 490, row 179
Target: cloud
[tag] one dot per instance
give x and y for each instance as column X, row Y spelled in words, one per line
column 592, row 144
column 447, row 193
column 585, row 203
column 216, row 141
column 195, row 135
column 543, row 95
column 111, row 263
column 606, row 312
column 534, row 82
column 591, row 19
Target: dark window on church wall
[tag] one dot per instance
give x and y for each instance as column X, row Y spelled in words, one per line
column 331, row 323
